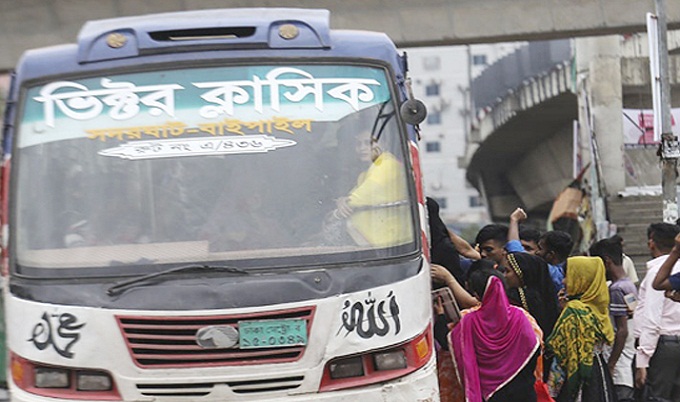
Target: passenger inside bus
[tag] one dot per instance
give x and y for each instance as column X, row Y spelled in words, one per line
column 374, row 209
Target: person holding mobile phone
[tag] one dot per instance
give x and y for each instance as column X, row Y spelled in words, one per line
column 450, row 389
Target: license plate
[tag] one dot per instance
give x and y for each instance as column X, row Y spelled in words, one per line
column 272, row 333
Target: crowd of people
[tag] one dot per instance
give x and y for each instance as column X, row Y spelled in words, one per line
column 540, row 320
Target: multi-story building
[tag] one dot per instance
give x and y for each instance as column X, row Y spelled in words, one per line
column 441, row 79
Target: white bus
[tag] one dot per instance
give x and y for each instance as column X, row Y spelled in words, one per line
column 219, row 205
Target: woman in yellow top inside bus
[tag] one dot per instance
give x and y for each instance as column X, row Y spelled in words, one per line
column 375, row 208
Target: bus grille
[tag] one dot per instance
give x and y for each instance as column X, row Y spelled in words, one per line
column 195, row 390
column 167, row 342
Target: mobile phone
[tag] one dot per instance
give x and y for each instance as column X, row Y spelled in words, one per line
column 631, row 301
column 451, row 310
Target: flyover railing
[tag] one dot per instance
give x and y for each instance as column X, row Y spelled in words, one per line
column 512, row 71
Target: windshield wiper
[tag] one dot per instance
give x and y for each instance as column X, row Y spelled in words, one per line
column 121, row 286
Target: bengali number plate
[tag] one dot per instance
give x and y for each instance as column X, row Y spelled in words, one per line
column 272, row 333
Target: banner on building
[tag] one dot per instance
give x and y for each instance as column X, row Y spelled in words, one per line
column 638, row 126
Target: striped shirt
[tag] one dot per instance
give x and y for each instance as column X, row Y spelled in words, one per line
column 617, row 302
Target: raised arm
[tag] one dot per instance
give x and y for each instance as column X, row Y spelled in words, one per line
column 517, row 216
column 463, row 247
column 661, row 281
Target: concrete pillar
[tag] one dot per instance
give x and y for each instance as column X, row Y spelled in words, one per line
column 598, row 61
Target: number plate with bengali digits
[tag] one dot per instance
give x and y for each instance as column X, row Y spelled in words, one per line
column 272, row 333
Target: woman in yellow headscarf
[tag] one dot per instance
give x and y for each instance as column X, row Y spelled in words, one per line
column 579, row 372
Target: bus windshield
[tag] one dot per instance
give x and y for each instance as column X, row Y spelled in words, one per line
column 263, row 165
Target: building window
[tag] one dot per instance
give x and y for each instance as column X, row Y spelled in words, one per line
column 479, row 59
column 431, row 63
column 432, row 89
column 441, row 201
column 434, row 117
column 475, row 201
column 433, row 146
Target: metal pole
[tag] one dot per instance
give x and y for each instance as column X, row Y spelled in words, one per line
column 669, row 143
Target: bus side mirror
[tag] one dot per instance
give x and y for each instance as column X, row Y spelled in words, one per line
column 413, row 111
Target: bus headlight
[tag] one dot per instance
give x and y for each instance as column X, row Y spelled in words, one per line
column 345, row 368
column 376, row 366
column 391, row 360
column 48, row 377
column 93, row 381
column 65, row 383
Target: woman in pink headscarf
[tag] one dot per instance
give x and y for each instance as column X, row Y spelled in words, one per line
column 495, row 347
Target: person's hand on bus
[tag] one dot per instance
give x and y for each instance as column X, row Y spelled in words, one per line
column 343, row 210
column 442, row 275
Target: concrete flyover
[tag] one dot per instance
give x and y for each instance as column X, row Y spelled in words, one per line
column 521, row 149
column 35, row 23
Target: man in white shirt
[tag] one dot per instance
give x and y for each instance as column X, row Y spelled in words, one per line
column 629, row 268
column 658, row 321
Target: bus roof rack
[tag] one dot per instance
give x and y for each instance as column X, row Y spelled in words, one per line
column 238, row 28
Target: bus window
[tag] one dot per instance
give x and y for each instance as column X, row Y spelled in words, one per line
column 241, row 163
